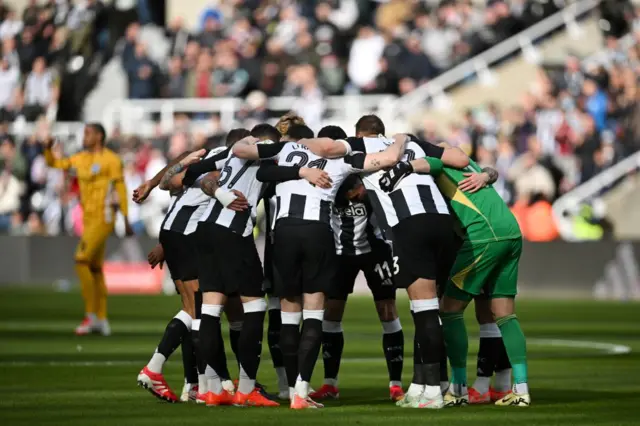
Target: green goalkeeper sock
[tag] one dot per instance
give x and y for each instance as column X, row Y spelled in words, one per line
column 516, row 346
column 457, row 343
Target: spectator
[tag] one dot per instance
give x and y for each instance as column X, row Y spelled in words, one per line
column 40, row 89
column 228, row 78
column 212, row 32
column 596, row 103
column 176, row 84
column 30, row 13
column 10, row 26
column 415, row 64
column 178, row 36
column 143, row 74
column 9, row 83
column 27, row 51
column 364, row 60
column 199, row 79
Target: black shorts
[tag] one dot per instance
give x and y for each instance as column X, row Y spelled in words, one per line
column 304, row 257
column 228, row 263
column 179, row 255
column 377, row 266
column 418, row 242
column 268, row 265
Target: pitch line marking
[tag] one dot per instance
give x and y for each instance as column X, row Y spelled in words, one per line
column 604, row 347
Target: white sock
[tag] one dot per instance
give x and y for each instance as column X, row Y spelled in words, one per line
column 302, row 389
column 292, row 391
column 432, row 392
column 395, row 383
column 156, row 363
column 482, row 384
column 213, row 381
column 228, row 386
column 415, row 390
column 331, row 382
column 458, row 390
column 521, row 388
column 283, row 386
column 202, row 384
column 245, row 384
column 503, row 380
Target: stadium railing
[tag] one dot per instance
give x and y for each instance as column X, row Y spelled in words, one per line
column 568, row 205
column 479, row 65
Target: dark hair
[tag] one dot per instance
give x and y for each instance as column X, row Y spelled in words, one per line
column 350, row 183
column 299, row 131
column 266, row 131
column 333, row 132
column 235, row 135
column 100, row 129
column 370, row 124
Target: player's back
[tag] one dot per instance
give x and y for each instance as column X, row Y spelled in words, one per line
column 484, row 214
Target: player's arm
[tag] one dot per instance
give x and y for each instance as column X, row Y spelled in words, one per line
column 450, row 156
column 208, row 165
column 473, row 182
column 142, row 192
column 248, row 149
column 234, row 200
column 269, row 171
column 360, row 161
column 117, row 177
column 168, row 182
column 391, row 178
column 63, row 163
column 327, row 147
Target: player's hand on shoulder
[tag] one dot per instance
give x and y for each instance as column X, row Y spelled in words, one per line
column 473, row 182
column 316, row 177
column 194, row 157
column 156, row 256
column 142, row 192
column 392, row 177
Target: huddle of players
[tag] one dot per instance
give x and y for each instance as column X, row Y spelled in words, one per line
column 323, row 231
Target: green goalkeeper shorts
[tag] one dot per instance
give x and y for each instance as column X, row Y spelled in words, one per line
column 485, row 268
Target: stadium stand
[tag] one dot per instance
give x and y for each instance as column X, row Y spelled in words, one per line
column 239, row 59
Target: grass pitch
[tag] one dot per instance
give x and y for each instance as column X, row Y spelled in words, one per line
column 584, row 362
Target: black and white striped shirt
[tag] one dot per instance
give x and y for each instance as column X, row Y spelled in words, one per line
column 187, row 207
column 239, row 174
column 416, row 194
column 298, row 198
column 352, row 228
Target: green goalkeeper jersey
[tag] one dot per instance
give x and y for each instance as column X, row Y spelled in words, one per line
column 483, row 215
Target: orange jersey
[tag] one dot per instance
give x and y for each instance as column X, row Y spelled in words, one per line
column 100, row 181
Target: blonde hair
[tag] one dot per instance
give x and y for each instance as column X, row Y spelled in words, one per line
column 287, row 120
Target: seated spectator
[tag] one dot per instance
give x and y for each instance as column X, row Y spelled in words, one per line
column 9, row 83
column 40, row 90
column 228, row 78
column 176, row 79
column 11, row 26
column 364, row 66
column 143, row 74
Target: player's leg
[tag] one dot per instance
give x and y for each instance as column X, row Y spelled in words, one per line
column 100, row 293
column 378, row 271
column 503, row 308
column 195, row 337
column 151, row 377
column 490, row 344
column 332, row 332
column 235, row 316
column 416, row 243
column 189, row 358
column 86, row 250
column 273, row 340
column 473, row 268
column 250, row 277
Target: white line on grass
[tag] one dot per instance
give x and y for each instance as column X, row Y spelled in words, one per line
column 604, row 347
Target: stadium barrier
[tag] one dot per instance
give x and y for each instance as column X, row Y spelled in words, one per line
column 603, row 269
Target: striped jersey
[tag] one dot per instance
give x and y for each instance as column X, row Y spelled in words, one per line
column 416, row 194
column 298, row 198
column 353, row 230
column 237, row 174
column 187, row 207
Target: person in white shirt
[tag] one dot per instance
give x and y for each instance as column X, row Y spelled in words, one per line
column 11, row 26
column 9, row 80
column 364, row 59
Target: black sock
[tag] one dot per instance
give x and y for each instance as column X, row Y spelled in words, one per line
column 234, row 338
column 289, row 342
column 250, row 343
column 189, row 360
column 444, row 367
column 273, row 337
column 393, row 346
column 310, row 342
column 211, row 339
column 332, row 347
column 418, row 376
column 221, row 357
column 487, row 355
column 173, row 335
column 197, row 347
column 431, row 342
column 502, row 359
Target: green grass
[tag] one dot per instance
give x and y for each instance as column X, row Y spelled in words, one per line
column 43, row 381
